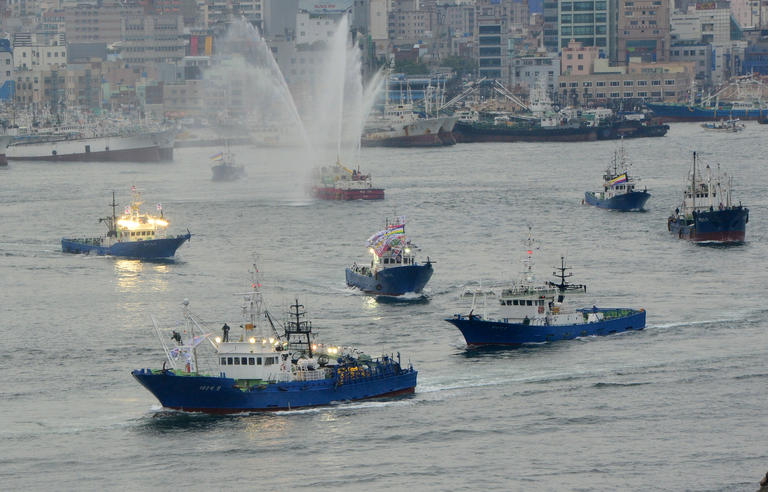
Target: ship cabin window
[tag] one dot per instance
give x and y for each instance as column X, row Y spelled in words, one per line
column 258, row 361
column 267, row 361
column 237, row 361
column 229, row 361
column 514, row 302
column 529, row 303
column 244, row 361
column 223, row 361
column 251, row 361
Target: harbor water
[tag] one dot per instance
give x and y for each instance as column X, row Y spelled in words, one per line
column 677, row 406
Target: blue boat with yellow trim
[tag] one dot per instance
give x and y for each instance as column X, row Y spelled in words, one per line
column 266, row 370
column 131, row 235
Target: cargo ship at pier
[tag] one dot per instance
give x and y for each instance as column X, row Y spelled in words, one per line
column 533, row 131
column 5, row 140
column 144, row 146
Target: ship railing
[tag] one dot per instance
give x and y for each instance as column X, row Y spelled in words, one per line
column 91, row 241
column 307, row 375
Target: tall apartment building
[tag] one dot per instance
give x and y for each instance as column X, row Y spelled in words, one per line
column 591, row 23
column 409, row 24
column 153, row 39
column 550, row 26
column 643, row 30
column 100, row 23
column 492, row 27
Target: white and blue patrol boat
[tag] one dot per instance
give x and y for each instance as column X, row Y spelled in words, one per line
column 133, row 234
column 265, row 367
column 394, row 269
column 528, row 312
column 620, row 189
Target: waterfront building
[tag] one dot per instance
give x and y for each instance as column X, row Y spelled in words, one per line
column 492, row 28
column 590, row 22
column 698, row 53
column 637, row 81
column 643, row 30
column 578, row 59
column 529, row 70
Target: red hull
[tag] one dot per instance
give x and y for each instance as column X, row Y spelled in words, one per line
column 148, row 154
column 406, row 391
column 426, row 140
column 721, row 237
column 336, row 194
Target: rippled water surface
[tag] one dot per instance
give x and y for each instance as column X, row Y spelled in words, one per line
column 678, row 406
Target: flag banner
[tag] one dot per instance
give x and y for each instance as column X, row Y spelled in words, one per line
column 618, row 179
column 217, row 157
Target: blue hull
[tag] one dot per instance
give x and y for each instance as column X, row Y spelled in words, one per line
column 394, row 281
column 478, row 331
column 220, row 395
column 632, row 201
column 143, row 250
column 682, row 112
column 726, row 226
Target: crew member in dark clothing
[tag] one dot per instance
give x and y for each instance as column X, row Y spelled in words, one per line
column 176, row 336
column 225, row 330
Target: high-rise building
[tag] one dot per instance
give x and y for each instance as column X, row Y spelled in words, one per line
column 643, row 30
column 590, row 22
column 493, row 21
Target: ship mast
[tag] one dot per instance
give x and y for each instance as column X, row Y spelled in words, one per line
column 111, row 221
column 298, row 328
column 693, row 183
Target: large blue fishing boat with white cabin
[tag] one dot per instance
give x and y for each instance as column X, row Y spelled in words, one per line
column 265, row 368
column 620, row 189
column 707, row 213
column 132, row 235
column 530, row 313
column 394, row 269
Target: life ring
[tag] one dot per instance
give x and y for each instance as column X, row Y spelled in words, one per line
column 378, row 286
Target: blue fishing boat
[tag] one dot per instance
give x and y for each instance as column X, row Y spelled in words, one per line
column 266, row 368
column 528, row 313
column 707, row 213
column 619, row 187
column 393, row 270
column 132, row 235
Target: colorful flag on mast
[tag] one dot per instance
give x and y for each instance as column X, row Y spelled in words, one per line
column 217, row 157
column 622, row 178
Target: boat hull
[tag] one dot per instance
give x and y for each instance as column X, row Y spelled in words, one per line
column 332, row 193
column 149, row 147
column 145, row 250
column 724, row 226
column 394, row 281
column 479, row 332
column 681, row 112
column 632, row 201
column 227, row 172
column 209, row 394
column 466, row 132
